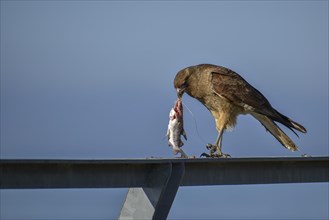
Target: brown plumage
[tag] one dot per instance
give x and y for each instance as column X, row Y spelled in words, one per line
column 226, row 95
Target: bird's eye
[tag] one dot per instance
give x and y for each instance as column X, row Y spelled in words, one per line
column 184, row 85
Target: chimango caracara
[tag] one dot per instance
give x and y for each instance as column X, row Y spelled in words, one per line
column 226, row 95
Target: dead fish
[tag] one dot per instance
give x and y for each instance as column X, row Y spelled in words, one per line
column 176, row 128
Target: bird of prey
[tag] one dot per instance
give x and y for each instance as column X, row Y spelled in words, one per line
column 226, row 95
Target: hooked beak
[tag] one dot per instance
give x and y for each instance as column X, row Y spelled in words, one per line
column 180, row 92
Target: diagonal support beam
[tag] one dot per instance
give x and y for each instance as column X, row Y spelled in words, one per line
column 154, row 201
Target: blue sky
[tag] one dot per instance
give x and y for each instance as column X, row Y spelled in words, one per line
column 93, row 80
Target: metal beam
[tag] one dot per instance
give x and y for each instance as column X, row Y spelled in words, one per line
column 158, row 179
column 32, row 174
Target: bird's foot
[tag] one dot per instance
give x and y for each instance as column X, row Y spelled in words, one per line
column 214, row 152
column 205, row 155
column 216, row 155
column 222, row 155
column 212, row 148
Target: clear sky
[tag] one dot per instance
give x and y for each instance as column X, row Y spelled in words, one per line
column 94, row 80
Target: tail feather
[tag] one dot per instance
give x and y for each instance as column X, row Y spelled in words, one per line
column 274, row 129
column 288, row 122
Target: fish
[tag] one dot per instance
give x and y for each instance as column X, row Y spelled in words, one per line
column 176, row 128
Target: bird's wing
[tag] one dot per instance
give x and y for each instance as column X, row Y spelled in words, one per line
column 231, row 86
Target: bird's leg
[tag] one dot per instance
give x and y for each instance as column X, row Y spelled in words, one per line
column 218, row 146
column 215, row 151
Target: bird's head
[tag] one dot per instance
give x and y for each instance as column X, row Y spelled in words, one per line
column 181, row 81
